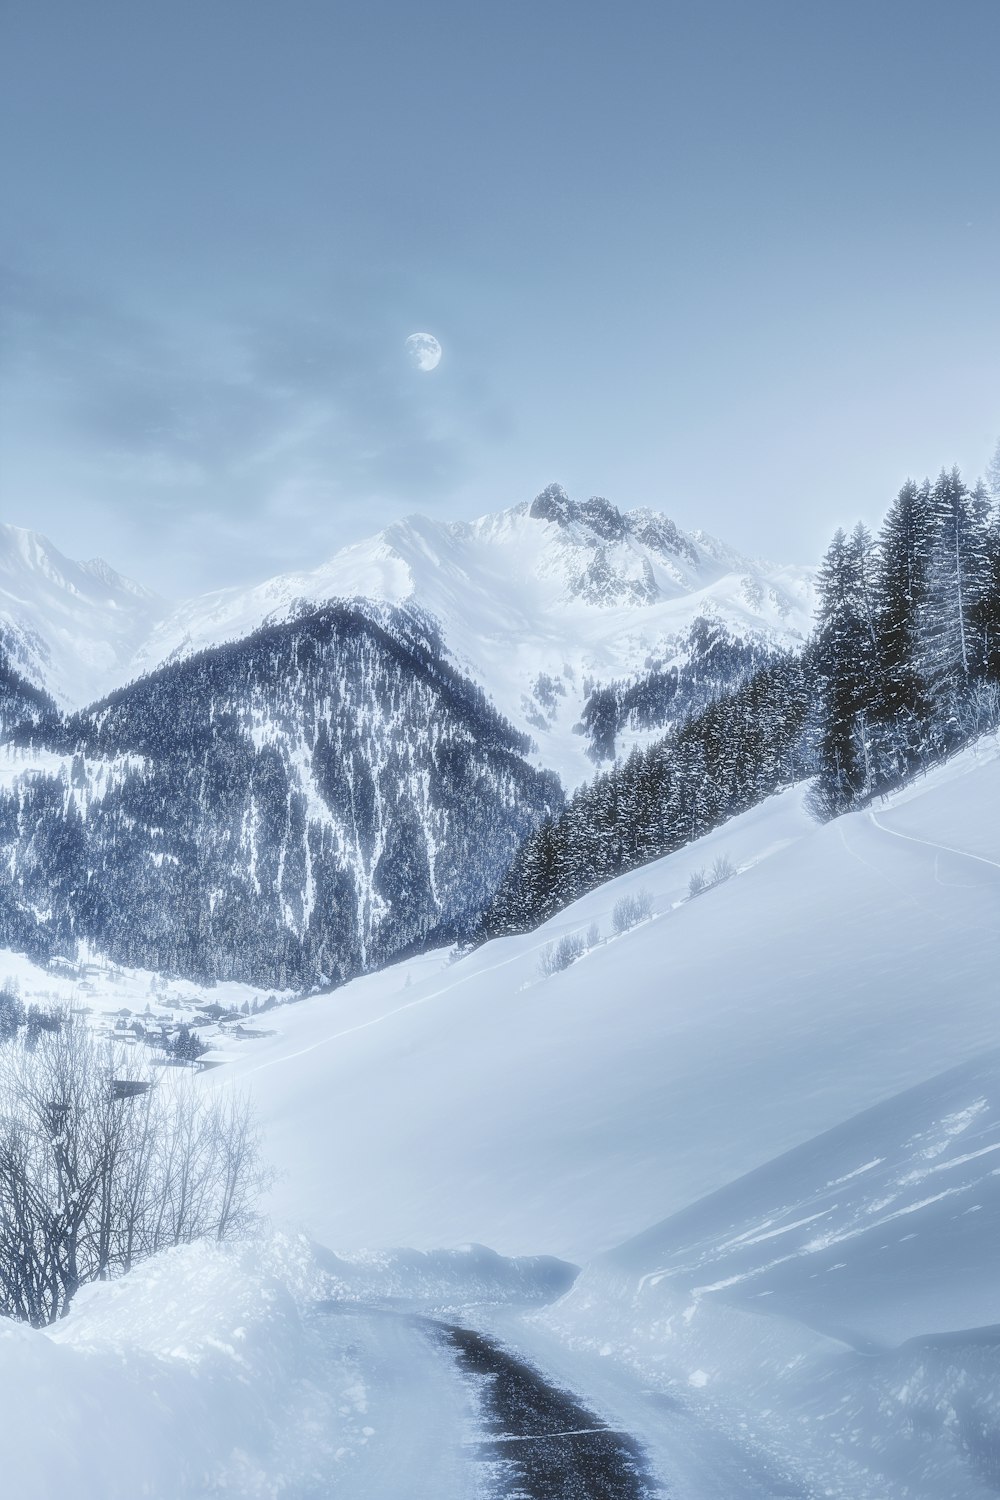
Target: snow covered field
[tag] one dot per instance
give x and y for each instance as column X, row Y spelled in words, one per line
column 765, row 1121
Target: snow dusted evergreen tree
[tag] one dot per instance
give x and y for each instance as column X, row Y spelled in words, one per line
column 847, row 669
column 903, row 573
column 908, row 640
column 993, row 474
column 958, row 575
column 986, row 611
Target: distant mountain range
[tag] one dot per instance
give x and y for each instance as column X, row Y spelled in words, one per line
column 70, row 628
column 293, row 783
column 539, row 605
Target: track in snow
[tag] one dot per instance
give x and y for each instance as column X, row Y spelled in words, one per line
column 540, row 1443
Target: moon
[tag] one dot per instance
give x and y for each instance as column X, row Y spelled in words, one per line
column 424, row 351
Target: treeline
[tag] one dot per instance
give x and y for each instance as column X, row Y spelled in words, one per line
column 903, row 669
column 722, row 761
column 907, row 645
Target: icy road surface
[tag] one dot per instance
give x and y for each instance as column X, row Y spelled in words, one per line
column 453, row 1414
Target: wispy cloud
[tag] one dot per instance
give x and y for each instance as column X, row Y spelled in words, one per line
column 272, row 435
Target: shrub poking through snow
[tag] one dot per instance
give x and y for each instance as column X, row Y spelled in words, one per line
column 722, row 869
column 558, row 956
column 630, row 910
column 103, row 1163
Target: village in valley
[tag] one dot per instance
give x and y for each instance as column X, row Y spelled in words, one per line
column 176, row 1022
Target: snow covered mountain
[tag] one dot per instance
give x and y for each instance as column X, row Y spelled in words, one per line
column 539, row 604
column 549, row 607
column 69, row 628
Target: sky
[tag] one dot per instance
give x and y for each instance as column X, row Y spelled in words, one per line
column 736, row 261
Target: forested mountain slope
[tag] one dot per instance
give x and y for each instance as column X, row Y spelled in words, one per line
column 290, row 809
column 20, row 701
column 902, row 670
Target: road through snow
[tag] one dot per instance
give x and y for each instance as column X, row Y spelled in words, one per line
column 506, row 1411
column 691, row 1451
column 451, row 1414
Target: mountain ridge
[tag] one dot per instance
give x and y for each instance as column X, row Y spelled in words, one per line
column 295, row 807
column 539, row 604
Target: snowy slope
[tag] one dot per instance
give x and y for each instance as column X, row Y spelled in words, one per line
column 840, row 1303
column 432, row 1104
column 68, row 627
column 537, row 603
column 794, row 1078
column 874, row 1232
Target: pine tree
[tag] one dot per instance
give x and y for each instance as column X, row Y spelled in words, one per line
column 11, row 1013
column 187, row 1045
column 993, row 474
column 902, row 580
column 986, row 613
column 847, row 671
column 958, row 566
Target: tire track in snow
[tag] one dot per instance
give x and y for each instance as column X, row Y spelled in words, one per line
column 947, row 918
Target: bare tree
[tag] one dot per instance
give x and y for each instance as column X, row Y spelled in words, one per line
column 559, row 956
column 631, row 909
column 103, row 1163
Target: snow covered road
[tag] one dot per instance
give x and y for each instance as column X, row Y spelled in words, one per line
column 415, row 1432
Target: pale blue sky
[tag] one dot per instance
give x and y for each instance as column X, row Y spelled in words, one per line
column 739, row 261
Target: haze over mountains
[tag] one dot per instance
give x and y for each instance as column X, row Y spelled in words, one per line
column 71, row 628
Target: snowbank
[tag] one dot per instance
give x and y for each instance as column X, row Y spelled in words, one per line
column 832, row 1304
column 226, row 1369
column 196, row 1374
column 439, row 1281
